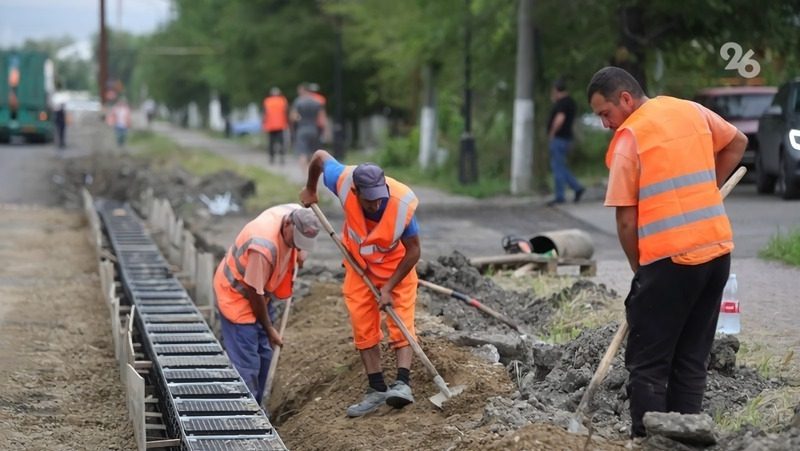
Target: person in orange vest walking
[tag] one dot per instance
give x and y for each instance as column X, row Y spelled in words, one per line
column 666, row 161
column 256, row 271
column 381, row 233
column 276, row 122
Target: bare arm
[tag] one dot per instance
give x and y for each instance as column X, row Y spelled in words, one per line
column 558, row 121
column 258, row 302
column 308, row 195
column 728, row 158
column 627, row 218
column 406, row 265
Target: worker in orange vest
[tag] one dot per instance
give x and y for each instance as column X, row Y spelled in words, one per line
column 666, row 161
column 309, row 119
column 276, row 122
column 256, row 271
column 381, row 233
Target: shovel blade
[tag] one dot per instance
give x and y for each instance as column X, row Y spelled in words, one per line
column 439, row 399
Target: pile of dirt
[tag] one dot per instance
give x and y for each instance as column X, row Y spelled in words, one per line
column 530, row 311
column 553, row 378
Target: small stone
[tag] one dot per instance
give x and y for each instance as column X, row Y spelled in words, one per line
column 696, row 429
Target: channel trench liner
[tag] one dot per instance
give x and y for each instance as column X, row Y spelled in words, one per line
column 205, row 402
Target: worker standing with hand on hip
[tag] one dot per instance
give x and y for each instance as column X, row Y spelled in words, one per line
column 381, row 233
column 257, row 270
column 667, row 160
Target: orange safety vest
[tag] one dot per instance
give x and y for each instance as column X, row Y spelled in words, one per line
column 260, row 235
column 275, row 119
column 680, row 207
column 379, row 250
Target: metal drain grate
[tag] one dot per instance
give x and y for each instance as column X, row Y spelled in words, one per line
column 208, row 389
column 211, row 348
column 166, row 328
column 150, row 309
column 236, row 443
column 252, row 424
column 201, row 375
column 181, row 338
column 200, row 361
column 206, row 407
column 174, row 318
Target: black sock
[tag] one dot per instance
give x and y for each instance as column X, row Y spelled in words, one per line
column 376, row 381
column 404, row 375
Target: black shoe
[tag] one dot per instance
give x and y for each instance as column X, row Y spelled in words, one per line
column 554, row 202
column 579, row 194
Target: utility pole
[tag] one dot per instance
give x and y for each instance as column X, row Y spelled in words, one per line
column 427, row 121
column 102, row 57
column 522, row 141
column 338, row 97
column 468, row 159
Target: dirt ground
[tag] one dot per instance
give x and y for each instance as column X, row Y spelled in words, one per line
column 59, row 385
column 320, row 374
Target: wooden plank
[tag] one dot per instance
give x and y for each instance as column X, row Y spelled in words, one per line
column 204, row 277
column 136, row 402
column 142, row 364
column 165, row 443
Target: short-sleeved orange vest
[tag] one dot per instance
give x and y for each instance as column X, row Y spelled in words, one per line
column 680, row 207
column 378, row 251
column 260, row 235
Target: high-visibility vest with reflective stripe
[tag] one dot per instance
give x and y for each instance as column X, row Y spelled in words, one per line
column 680, row 207
column 260, row 235
column 379, row 250
column 275, row 110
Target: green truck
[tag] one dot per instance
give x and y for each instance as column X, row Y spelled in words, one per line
column 26, row 85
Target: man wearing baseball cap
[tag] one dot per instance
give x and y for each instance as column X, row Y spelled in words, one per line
column 381, row 233
column 255, row 271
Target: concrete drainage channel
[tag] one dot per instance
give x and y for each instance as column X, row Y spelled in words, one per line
column 183, row 392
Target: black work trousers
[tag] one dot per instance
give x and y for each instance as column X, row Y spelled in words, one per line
column 275, row 145
column 672, row 312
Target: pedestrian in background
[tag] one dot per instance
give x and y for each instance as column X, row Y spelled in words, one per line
column 60, row 121
column 560, row 138
column 666, row 161
column 276, row 123
column 120, row 119
column 309, row 119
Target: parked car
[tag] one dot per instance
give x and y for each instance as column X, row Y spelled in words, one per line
column 778, row 161
column 742, row 106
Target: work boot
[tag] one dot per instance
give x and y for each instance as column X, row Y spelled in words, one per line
column 372, row 400
column 399, row 395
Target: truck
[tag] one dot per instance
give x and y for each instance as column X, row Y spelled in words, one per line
column 778, row 159
column 26, row 87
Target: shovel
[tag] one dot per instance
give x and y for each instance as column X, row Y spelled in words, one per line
column 472, row 302
column 445, row 392
column 576, row 422
column 276, row 353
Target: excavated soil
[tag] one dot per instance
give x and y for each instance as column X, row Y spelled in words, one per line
column 59, row 384
column 320, row 374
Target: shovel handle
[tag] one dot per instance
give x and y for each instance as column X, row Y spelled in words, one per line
column 389, row 310
column 471, row 302
column 276, row 352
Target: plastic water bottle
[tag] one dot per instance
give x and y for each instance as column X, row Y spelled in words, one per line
column 729, row 319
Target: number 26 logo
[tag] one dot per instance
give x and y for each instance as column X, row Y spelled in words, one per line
column 745, row 65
